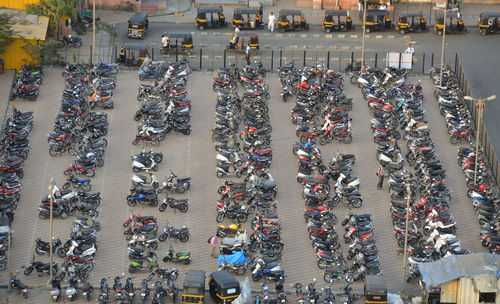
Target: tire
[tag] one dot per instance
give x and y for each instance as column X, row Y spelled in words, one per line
column 181, row 189
column 183, row 208
column 136, row 141
column 153, row 246
column 28, row 270
column 66, row 185
column 39, row 251
column 64, row 215
column 53, row 151
column 43, row 215
column 251, row 209
column 322, row 264
column 131, row 203
column 86, row 187
column 454, row 140
column 219, row 218
column 256, row 278
column 322, row 141
column 163, row 207
column 356, row 203
column 242, row 217
column 184, row 237
column 137, row 116
column 347, row 140
column 163, row 237
column 154, row 203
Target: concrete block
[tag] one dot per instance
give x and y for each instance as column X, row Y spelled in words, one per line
column 292, row 35
column 280, row 47
column 256, row 57
column 347, row 59
column 303, row 35
column 345, row 48
column 332, row 47
column 357, row 48
column 354, row 36
column 203, row 34
column 284, row 58
column 267, row 46
column 321, row 59
column 203, row 45
column 320, row 47
column 315, row 35
column 341, row 36
column 215, row 45
column 328, row 36
column 204, row 57
column 279, row 35
column 367, row 36
column 231, row 57
column 309, row 59
column 218, row 57
column 335, row 59
column 229, row 34
column 379, row 37
column 305, row 47
column 293, row 47
column 390, row 37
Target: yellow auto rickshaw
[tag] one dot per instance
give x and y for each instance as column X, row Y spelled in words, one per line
column 183, row 42
column 133, row 54
column 223, row 287
column 411, row 22
column 240, row 42
column 457, row 27
column 295, row 24
column 193, row 289
column 137, row 25
column 488, row 23
column 333, row 21
column 375, row 290
column 377, row 20
column 203, row 22
column 247, row 19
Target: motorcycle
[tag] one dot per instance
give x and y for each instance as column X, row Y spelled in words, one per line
column 181, row 204
column 71, row 41
column 19, row 286
column 72, row 289
column 179, row 185
column 42, row 247
column 172, row 232
column 142, row 180
column 55, row 292
column 179, row 257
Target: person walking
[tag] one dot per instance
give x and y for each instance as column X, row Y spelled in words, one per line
column 247, row 52
column 380, row 174
column 214, row 241
column 271, row 20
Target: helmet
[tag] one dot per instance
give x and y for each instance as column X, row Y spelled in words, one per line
column 308, row 144
column 233, row 227
column 257, row 143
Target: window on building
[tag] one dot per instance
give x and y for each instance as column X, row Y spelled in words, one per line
column 487, row 297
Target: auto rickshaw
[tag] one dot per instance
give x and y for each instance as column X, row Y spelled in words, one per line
column 133, row 54
column 202, row 21
column 240, row 42
column 252, row 21
column 378, row 20
column 451, row 28
column 193, row 289
column 375, row 290
column 488, row 23
column 223, row 287
column 137, row 25
column 329, row 24
column 284, row 24
column 411, row 22
column 178, row 40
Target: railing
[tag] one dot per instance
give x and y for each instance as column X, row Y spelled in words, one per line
column 485, row 142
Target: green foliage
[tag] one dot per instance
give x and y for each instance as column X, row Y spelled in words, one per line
column 44, row 53
column 109, row 28
column 6, row 32
column 55, row 10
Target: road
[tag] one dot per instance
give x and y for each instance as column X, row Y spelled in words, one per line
column 194, row 156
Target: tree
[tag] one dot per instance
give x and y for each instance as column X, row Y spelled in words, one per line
column 55, row 10
column 6, row 32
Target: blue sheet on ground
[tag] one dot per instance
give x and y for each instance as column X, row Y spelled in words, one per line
column 236, row 258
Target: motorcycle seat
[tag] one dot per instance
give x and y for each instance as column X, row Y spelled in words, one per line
column 143, row 177
column 81, row 219
column 272, row 264
column 87, row 232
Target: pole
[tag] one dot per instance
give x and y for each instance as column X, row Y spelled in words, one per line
column 51, row 189
column 93, row 31
column 442, row 50
column 405, row 253
column 479, row 103
column 9, row 239
column 363, row 41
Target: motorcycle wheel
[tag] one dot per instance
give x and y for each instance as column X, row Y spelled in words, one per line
column 163, row 207
column 39, row 251
column 60, row 252
column 153, row 246
column 90, row 173
column 180, row 189
column 53, row 152
column 242, row 217
column 322, row 264
column 256, row 278
column 162, row 238
column 322, row 141
column 154, row 203
column 13, row 97
column 219, row 218
column 183, row 208
column 137, row 116
column 136, row 141
column 28, row 270
column 97, row 227
column 356, row 203
column 349, row 278
column 251, row 209
column 241, row 270
column 186, row 131
column 328, row 278
column 60, row 276
column 131, row 203
column 43, row 215
column 221, row 189
column 66, row 185
column 64, row 215
column 184, row 237
column 347, row 140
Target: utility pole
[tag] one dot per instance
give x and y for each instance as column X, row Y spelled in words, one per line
column 480, row 105
column 405, row 253
column 93, row 31
column 363, row 41
column 445, row 10
column 51, row 189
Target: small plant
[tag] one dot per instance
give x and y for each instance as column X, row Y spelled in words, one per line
column 109, row 28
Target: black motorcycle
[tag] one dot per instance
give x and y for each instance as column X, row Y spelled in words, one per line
column 71, row 41
column 43, row 268
column 172, row 232
column 42, row 247
column 180, row 204
column 19, row 286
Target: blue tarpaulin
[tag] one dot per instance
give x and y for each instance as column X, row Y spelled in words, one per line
column 236, row 258
column 456, row 266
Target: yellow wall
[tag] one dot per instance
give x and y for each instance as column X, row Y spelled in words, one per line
column 15, row 56
column 449, row 292
column 19, row 4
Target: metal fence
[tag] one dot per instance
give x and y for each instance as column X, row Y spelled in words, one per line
column 485, row 142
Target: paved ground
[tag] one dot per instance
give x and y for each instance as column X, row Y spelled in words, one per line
column 194, row 156
column 5, row 85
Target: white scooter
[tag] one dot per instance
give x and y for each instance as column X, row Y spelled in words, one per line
column 138, row 166
column 353, row 182
column 142, row 180
column 229, row 159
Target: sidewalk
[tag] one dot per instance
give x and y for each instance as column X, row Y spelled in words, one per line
column 470, row 13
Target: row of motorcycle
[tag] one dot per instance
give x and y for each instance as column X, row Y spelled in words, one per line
column 480, row 185
column 321, row 109
column 14, row 144
column 156, row 122
column 27, row 83
column 257, row 192
column 395, row 104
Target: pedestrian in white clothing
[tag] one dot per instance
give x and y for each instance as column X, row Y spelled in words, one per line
column 271, row 20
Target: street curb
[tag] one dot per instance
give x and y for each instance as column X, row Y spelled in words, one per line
column 8, row 101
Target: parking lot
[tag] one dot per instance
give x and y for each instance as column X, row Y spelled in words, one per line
column 194, row 156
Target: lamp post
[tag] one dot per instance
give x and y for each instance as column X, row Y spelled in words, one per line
column 480, row 105
column 51, row 189
column 363, row 40
column 444, row 10
column 405, row 253
column 93, row 29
